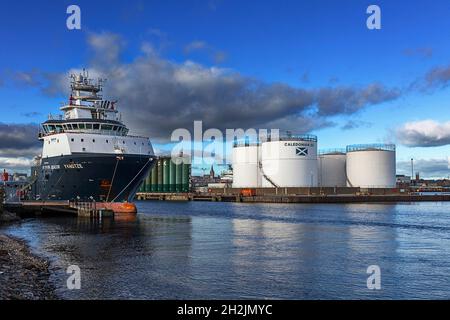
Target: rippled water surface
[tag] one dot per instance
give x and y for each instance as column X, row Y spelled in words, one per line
column 196, row 250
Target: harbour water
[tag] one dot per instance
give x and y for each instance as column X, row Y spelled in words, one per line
column 210, row 250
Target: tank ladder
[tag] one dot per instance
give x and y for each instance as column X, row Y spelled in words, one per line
column 265, row 176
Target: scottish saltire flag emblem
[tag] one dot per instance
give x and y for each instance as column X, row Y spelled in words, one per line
column 301, row 151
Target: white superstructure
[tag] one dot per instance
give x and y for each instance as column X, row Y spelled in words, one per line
column 89, row 125
column 371, row 166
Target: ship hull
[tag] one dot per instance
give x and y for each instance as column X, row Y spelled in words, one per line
column 99, row 177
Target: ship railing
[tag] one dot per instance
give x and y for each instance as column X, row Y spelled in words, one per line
column 55, row 117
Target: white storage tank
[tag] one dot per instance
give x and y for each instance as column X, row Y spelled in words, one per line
column 332, row 168
column 289, row 161
column 245, row 159
column 371, row 166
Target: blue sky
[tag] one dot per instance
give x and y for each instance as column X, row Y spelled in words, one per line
column 303, row 44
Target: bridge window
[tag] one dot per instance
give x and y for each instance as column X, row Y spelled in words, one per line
column 89, row 126
column 96, row 126
column 81, row 125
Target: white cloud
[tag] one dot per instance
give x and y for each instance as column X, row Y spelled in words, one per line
column 424, row 133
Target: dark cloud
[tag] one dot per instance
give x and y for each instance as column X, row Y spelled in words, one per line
column 157, row 96
column 348, row 100
column 427, row 168
column 434, row 79
column 426, row 133
column 353, row 124
column 19, row 144
column 18, row 136
column 438, row 77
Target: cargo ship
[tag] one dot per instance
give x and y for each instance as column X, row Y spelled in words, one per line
column 88, row 153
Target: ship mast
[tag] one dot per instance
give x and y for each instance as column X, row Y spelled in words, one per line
column 84, row 89
column 86, row 101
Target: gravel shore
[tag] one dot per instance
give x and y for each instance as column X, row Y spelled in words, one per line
column 23, row 275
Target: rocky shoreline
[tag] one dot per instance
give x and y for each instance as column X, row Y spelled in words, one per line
column 23, row 275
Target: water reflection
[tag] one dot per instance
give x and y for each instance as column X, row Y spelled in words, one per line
column 234, row 250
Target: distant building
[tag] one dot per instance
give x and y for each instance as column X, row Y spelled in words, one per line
column 403, row 181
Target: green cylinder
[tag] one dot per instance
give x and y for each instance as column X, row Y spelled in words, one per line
column 185, row 177
column 173, row 176
column 142, row 187
column 148, row 183
column 166, row 174
column 178, row 177
column 160, row 176
column 154, row 178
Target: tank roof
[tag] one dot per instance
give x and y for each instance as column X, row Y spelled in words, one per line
column 293, row 137
column 371, row 147
column 334, row 151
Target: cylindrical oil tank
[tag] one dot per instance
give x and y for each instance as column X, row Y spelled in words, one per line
column 160, row 175
column 186, row 177
column 245, row 159
column 371, row 166
column 178, row 176
column 166, row 174
column 290, row 162
column 154, row 178
column 173, row 176
column 332, row 168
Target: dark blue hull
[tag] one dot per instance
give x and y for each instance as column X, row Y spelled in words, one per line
column 102, row 177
